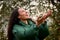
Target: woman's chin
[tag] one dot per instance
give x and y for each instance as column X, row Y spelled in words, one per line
column 28, row 18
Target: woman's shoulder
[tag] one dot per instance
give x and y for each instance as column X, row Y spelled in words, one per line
column 16, row 26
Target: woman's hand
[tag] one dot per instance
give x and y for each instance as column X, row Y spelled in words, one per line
column 49, row 13
column 41, row 19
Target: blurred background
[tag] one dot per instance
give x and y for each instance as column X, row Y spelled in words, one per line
column 35, row 8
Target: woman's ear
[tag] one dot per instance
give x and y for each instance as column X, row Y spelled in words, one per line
column 19, row 17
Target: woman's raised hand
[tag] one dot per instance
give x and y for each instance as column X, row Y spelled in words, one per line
column 40, row 20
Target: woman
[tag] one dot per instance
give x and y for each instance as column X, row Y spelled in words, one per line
column 21, row 27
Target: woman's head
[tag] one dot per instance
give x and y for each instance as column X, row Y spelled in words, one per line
column 17, row 15
column 23, row 14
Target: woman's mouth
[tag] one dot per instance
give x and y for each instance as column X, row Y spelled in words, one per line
column 26, row 15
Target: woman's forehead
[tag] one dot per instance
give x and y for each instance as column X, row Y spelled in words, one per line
column 21, row 9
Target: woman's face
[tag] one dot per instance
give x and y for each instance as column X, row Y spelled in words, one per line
column 23, row 14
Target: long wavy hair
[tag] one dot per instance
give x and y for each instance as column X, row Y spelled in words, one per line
column 12, row 21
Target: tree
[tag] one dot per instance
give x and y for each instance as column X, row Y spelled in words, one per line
column 36, row 8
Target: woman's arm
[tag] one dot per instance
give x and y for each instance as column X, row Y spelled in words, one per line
column 43, row 30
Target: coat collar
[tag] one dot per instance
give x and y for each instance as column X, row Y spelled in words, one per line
column 24, row 24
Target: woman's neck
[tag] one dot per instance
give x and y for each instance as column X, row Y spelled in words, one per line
column 25, row 21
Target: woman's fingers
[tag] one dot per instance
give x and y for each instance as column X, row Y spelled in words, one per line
column 49, row 12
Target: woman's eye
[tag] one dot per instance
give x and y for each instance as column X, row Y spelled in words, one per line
column 23, row 11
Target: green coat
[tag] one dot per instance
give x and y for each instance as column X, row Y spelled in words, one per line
column 29, row 31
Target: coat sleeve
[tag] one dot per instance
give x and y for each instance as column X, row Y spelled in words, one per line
column 16, row 33
column 43, row 30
